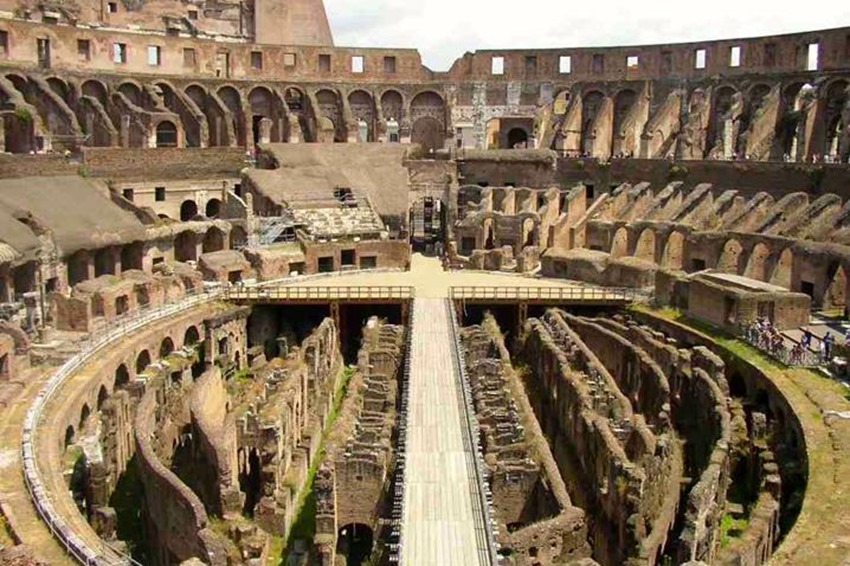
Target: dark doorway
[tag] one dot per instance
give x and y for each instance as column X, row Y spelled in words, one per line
column 355, row 542
column 517, row 139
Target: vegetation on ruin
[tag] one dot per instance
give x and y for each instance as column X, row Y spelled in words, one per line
column 304, row 526
column 731, row 528
column 24, row 114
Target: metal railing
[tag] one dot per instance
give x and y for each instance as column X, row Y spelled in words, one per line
column 40, row 494
column 397, row 536
column 778, row 349
column 556, row 294
column 482, row 499
column 288, row 293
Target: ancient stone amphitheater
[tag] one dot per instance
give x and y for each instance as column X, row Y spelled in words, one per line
column 265, row 300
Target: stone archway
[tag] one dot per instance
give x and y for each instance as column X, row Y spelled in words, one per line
column 428, row 133
column 620, row 243
column 645, row 248
column 674, row 251
column 730, row 257
column 517, row 138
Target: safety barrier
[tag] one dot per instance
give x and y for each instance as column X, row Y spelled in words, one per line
column 78, row 548
column 306, row 294
column 577, row 295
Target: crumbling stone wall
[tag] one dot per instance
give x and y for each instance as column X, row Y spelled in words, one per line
column 358, row 468
column 537, row 520
column 618, row 469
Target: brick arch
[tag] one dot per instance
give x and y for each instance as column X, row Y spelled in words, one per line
column 781, row 268
column 673, row 256
column 392, row 104
column 730, row 256
column 620, row 242
column 645, row 245
column 757, row 262
column 95, row 89
column 133, row 90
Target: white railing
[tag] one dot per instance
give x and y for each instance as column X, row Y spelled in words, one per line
column 40, row 494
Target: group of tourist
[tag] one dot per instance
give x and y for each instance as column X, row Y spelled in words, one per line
column 764, row 335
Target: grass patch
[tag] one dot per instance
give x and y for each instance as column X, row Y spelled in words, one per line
column 731, row 528
column 304, row 527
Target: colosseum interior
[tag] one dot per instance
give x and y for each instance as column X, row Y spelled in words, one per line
column 267, row 300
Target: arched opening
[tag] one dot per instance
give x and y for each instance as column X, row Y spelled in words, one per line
column 102, row 396
column 355, row 542
column 721, row 124
column 188, row 210
column 756, row 267
column 834, row 115
column 213, row 240
column 590, row 106
column 781, row 273
column 428, row 133
column 231, row 99
column 143, row 360
column 363, row 109
column 517, row 139
column 96, row 90
column 186, row 247
column 166, row 134
column 213, row 208
column 85, row 413
column 166, row 347
column 132, row 256
column 624, row 142
column 620, row 243
column 674, row 251
column 645, row 248
column 330, row 108
column 392, row 105
column 737, row 386
column 836, row 286
column 122, row 375
column 489, row 236
column 427, row 114
column 132, row 92
column 70, row 436
column 191, row 337
column 730, row 257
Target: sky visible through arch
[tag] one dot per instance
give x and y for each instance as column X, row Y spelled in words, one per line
column 444, row 30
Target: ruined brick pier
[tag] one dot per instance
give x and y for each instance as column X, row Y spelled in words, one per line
column 445, row 519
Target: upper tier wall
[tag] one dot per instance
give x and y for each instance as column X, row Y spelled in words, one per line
column 772, row 54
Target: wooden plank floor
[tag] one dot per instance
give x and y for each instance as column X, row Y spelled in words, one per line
column 439, row 526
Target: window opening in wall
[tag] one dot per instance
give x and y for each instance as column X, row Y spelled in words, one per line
column 812, row 61
column 324, row 63
column 530, row 66
column 699, row 59
column 257, row 60
column 666, row 62
column 357, row 64
column 497, row 66
column 119, row 52
column 590, row 191
column 159, row 194
column 193, row 14
column 189, row 57
column 735, row 56
column 769, row 54
column 597, row 64
column 158, row 260
column 222, row 64
column 153, row 55
column 389, row 65
column 368, row 262
column 43, row 45
column 348, row 257
column 289, row 60
column 128, row 194
column 698, row 264
column 326, row 264
column 83, row 49
column 4, row 42
column 807, row 288
column 565, row 64
column 112, row 7
column 237, row 189
column 632, row 61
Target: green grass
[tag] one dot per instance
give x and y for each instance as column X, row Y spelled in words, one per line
column 304, row 527
column 731, row 528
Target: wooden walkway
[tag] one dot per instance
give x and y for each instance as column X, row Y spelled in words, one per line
column 442, row 524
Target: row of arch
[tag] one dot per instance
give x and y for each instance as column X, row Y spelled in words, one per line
column 226, row 115
column 779, row 262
